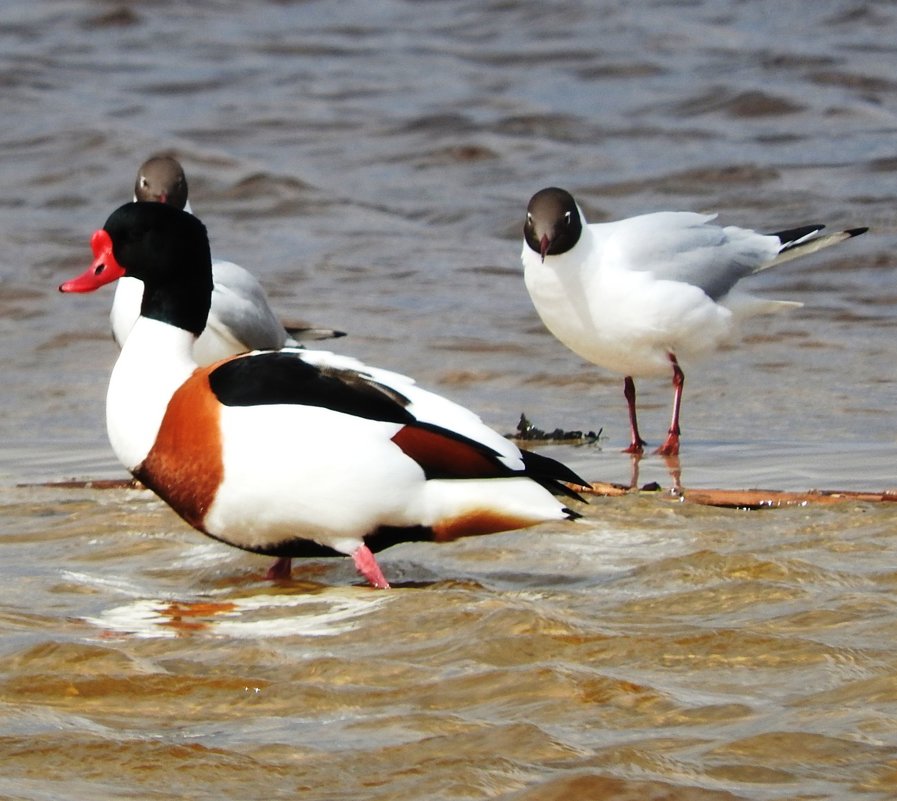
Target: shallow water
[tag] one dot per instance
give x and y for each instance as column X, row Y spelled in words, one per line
column 371, row 162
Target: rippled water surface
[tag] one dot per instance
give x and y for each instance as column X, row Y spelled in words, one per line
column 371, row 162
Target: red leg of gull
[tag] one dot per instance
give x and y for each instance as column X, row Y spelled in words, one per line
column 637, row 444
column 670, row 445
column 281, row 570
column 368, row 567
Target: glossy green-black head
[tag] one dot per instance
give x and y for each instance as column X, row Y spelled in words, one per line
column 165, row 248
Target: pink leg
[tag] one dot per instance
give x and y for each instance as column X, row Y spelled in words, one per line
column 670, row 445
column 368, row 567
column 637, row 444
column 281, row 570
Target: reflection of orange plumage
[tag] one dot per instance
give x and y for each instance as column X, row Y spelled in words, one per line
column 185, row 616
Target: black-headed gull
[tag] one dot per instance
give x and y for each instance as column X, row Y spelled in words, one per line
column 293, row 452
column 241, row 318
column 633, row 295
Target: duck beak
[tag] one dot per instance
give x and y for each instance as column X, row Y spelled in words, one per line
column 544, row 244
column 103, row 270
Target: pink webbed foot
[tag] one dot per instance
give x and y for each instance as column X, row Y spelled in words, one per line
column 281, row 570
column 367, row 565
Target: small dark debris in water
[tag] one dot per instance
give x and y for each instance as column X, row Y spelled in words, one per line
column 652, row 486
column 116, row 18
column 527, row 431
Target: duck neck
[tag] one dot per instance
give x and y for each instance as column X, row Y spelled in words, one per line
column 155, row 360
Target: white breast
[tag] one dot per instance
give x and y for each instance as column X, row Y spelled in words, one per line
column 621, row 319
column 154, row 361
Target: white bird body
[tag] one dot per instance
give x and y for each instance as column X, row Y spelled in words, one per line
column 617, row 298
column 635, row 295
column 293, row 452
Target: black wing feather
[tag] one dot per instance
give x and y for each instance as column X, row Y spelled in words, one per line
column 278, row 377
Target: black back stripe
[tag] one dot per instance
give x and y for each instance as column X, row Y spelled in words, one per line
column 277, row 377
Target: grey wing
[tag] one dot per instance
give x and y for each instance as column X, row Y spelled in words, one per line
column 239, row 303
column 689, row 248
column 301, row 332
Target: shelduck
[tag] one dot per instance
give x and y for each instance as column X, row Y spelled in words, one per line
column 241, row 318
column 291, row 452
column 634, row 295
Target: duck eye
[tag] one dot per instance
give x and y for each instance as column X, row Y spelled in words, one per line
column 568, row 217
column 143, row 182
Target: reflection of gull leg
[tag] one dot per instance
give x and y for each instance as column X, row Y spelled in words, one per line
column 673, row 465
column 633, row 475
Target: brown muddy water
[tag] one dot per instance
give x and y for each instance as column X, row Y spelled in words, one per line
column 371, row 162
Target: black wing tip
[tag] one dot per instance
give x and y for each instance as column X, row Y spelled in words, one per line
column 313, row 333
column 556, row 487
column 795, row 237
column 539, row 465
column 791, row 237
column 570, row 514
column 555, row 476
